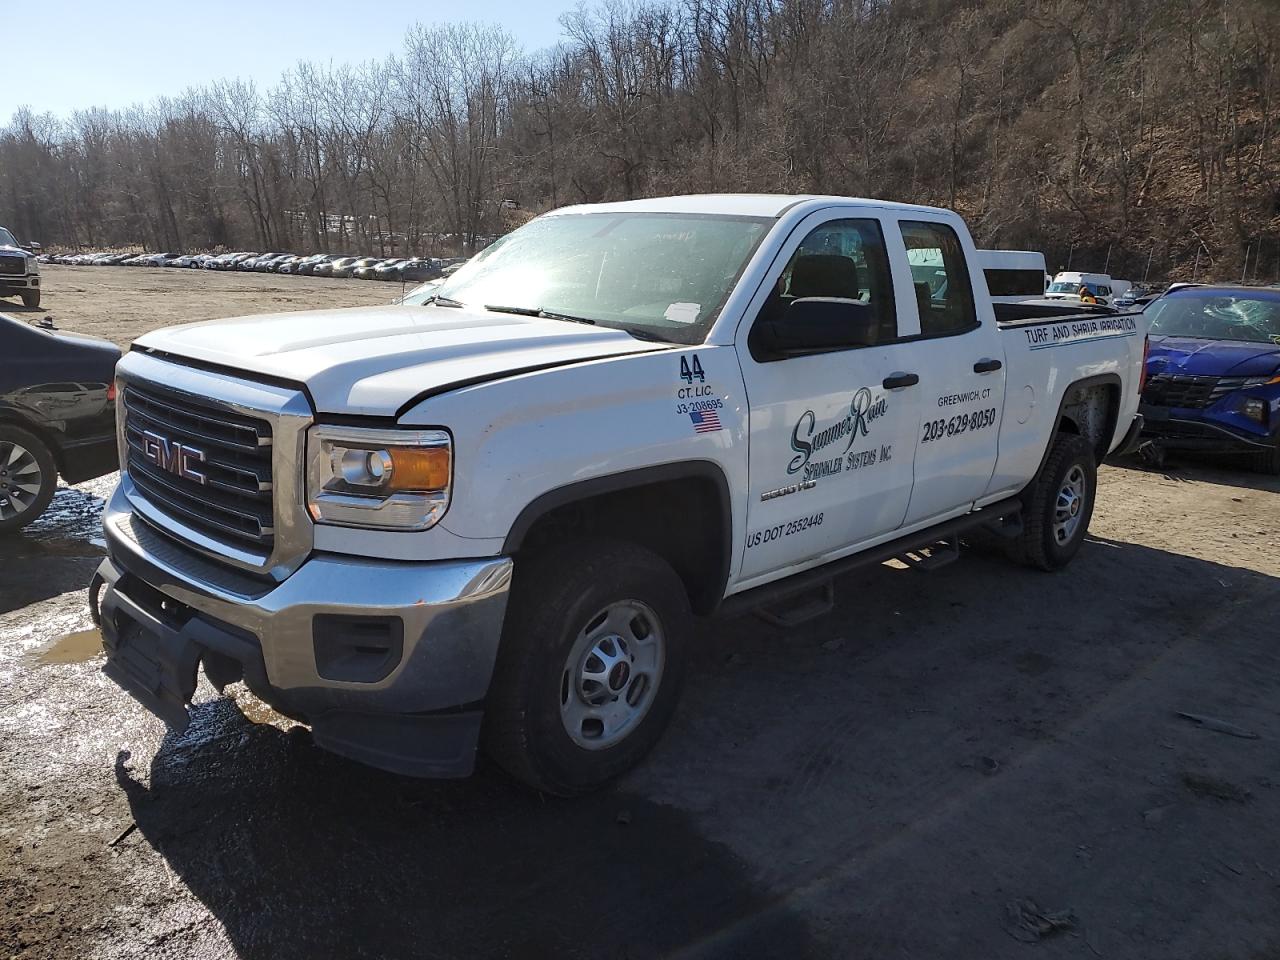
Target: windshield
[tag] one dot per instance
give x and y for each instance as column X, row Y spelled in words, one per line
column 1217, row 315
column 660, row 275
column 7, row 239
column 1072, row 287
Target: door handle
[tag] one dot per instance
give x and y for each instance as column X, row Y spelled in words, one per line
column 987, row 366
column 898, row 380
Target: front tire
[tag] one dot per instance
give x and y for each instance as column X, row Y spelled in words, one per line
column 1058, row 505
column 593, row 657
column 31, row 299
column 28, row 477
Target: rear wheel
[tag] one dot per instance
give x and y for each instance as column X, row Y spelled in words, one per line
column 1058, row 505
column 31, row 299
column 592, row 660
column 28, row 477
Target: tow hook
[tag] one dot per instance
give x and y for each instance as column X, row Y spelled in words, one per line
column 95, row 592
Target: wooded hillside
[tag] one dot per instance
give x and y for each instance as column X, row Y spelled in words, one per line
column 1145, row 128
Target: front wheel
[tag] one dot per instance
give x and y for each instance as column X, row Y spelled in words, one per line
column 31, row 299
column 1058, row 505
column 592, row 661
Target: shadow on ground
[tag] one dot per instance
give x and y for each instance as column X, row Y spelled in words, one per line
column 1221, row 470
column 880, row 783
column 302, row 854
column 55, row 554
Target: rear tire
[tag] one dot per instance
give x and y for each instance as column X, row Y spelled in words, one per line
column 28, row 477
column 593, row 656
column 1058, row 505
column 31, row 299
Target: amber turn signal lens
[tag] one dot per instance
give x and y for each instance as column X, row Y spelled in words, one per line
column 419, row 468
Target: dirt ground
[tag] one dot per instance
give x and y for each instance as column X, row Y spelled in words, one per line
column 123, row 303
column 895, row 780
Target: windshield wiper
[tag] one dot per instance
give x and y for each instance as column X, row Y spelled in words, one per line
column 440, row 301
column 539, row 312
column 648, row 335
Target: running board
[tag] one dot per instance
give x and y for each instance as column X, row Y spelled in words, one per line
column 801, row 608
column 1003, row 517
column 933, row 556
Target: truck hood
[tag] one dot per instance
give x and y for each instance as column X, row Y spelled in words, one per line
column 374, row 360
column 1190, row 356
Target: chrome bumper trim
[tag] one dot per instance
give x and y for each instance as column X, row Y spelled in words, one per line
column 452, row 613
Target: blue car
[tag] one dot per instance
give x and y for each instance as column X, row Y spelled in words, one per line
column 1213, row 372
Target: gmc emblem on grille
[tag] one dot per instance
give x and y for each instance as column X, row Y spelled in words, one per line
column 176, row 458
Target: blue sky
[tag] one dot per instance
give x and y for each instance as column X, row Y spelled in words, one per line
column 80, row 53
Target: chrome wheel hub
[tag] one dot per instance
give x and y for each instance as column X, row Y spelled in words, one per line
column 20, row 479
column 612, row 674
column 1069, row 505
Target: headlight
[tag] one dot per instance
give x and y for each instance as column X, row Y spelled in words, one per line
column 1255, row 408
column 383, row 479
column 33, row 265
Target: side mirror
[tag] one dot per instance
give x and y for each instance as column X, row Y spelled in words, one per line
column 816, row 325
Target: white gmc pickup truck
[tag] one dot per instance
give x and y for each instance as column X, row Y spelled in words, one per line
column 489, row 520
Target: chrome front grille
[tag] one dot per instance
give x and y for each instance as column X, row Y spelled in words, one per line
column 213, row 461
column 232, row 495
column 13, row 266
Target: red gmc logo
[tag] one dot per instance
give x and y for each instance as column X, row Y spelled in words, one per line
column 174, row 457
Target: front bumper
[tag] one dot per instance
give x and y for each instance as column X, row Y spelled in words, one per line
column 388, row 662
column 29, row 282
column 1173, row 429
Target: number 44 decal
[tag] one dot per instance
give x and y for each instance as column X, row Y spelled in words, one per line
column 690, row 373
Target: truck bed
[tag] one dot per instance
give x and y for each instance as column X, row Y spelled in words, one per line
column 1037, row 310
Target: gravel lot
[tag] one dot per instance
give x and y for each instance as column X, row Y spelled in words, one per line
column 123, row 303
column 893, row 780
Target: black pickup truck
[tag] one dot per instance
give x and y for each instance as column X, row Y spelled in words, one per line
column 57, row 415
column 19, row 271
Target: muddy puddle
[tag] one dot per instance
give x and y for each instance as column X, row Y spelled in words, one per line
column 79, row 647
column 71, row 527
column 255, row 711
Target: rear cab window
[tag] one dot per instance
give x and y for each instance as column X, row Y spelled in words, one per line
column 940, row 277
column 1014, row 283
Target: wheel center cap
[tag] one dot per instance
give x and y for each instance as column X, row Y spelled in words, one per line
column 619, row 676
column 1075, row 507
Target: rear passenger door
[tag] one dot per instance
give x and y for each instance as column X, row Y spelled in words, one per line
column 961, row 360
column 832, row 432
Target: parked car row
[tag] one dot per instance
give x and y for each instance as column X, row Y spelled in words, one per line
column 316, row 265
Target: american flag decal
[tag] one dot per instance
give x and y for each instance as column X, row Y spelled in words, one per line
column 705, row 421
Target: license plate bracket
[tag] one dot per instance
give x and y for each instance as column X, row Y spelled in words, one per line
column 154, row 663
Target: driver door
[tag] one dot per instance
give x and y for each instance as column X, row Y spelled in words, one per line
column 832, row 431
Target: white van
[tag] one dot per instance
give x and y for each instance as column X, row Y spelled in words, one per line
column 1066, row 286
column 1013, row 275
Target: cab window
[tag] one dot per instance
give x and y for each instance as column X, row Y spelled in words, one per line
column 841, row 259
column 940, row 276
column 1014, row 283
